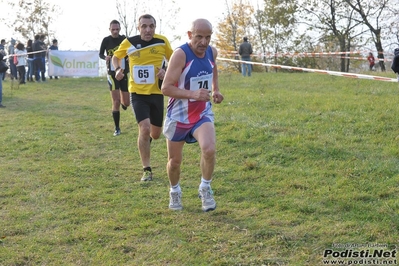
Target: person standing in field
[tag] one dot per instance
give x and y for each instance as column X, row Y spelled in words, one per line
column 3, row 52
column 191, row 81
column 1, row 83
column 371, row 60
column 148, row 53
column 21, row 55
column 395, row 62
column 36, row 47
column 43, row 55
column 39, row 58
column 245, row 52
column 29, row 50
column 118, row 88
column 54, row 47
column 11, row 55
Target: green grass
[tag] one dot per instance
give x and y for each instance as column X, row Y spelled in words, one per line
column 304, row 161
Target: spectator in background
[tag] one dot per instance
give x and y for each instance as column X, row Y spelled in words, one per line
column 39, row 48
column 1, row 84
column 395, row 62
column 245, row 52
column 3, row 52
column 2, row 44
column 11, row 52
column 43, row 57
column 36, row 47
column 29, row 50
column 54, row 46
column 21, row 55
column 371, row 60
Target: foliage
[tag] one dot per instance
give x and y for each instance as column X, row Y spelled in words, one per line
column 232, row 30
column 291, row 26
column 304, row 161
column 261, row 32
column 279, row 25
column 336, row 22
column 377, row 11
column 33, row 17
column 303, row 44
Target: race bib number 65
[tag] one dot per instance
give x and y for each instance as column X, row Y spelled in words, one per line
column 144, row 74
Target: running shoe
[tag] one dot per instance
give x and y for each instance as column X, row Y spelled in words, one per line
column 147, row 176
column 175, row 201
column 206, row 196
column 117, row 132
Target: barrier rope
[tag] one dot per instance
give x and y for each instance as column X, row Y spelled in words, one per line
column 334, row 73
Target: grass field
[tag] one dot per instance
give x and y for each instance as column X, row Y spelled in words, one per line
column 305, row 163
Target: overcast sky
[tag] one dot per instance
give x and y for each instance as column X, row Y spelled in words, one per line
column 84, row 23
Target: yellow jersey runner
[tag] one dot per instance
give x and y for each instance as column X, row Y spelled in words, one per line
column 145, row 59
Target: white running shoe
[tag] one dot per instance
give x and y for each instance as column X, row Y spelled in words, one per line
column 206, row 196
column 175, row 201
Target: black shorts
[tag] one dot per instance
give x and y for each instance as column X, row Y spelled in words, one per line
column 148, row 106
column 115, row 84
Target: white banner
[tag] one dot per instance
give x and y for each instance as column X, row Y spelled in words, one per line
column 73, row 63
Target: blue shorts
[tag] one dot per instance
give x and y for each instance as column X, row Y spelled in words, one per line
column 176, row 131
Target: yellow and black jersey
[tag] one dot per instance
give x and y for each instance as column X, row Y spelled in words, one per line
column 108, row 46
column 145, row 60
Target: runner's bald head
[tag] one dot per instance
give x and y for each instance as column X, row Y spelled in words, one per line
column 201, row 23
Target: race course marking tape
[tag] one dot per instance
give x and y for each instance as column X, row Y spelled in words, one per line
column 334, row 73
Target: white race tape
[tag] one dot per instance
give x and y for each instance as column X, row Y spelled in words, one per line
column 334, row 73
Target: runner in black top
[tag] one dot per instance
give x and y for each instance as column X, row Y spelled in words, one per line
column 118, row 88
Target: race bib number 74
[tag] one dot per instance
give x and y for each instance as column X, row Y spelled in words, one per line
column 201, row 82
column 144, row 74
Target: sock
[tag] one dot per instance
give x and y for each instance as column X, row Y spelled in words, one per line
column 175, row 188
column 123, row 107
column 116, row 115
column 148, row 168
column 205, row 183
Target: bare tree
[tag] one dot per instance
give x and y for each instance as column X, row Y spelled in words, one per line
column 163, row 11
column 372, row 14
column 128, row 19
column 333, row 20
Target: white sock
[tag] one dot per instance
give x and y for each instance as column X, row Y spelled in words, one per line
column 175, row 188
column 205, row 183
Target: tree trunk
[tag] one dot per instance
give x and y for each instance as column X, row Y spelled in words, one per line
column 378, row 46
column 342, row 46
